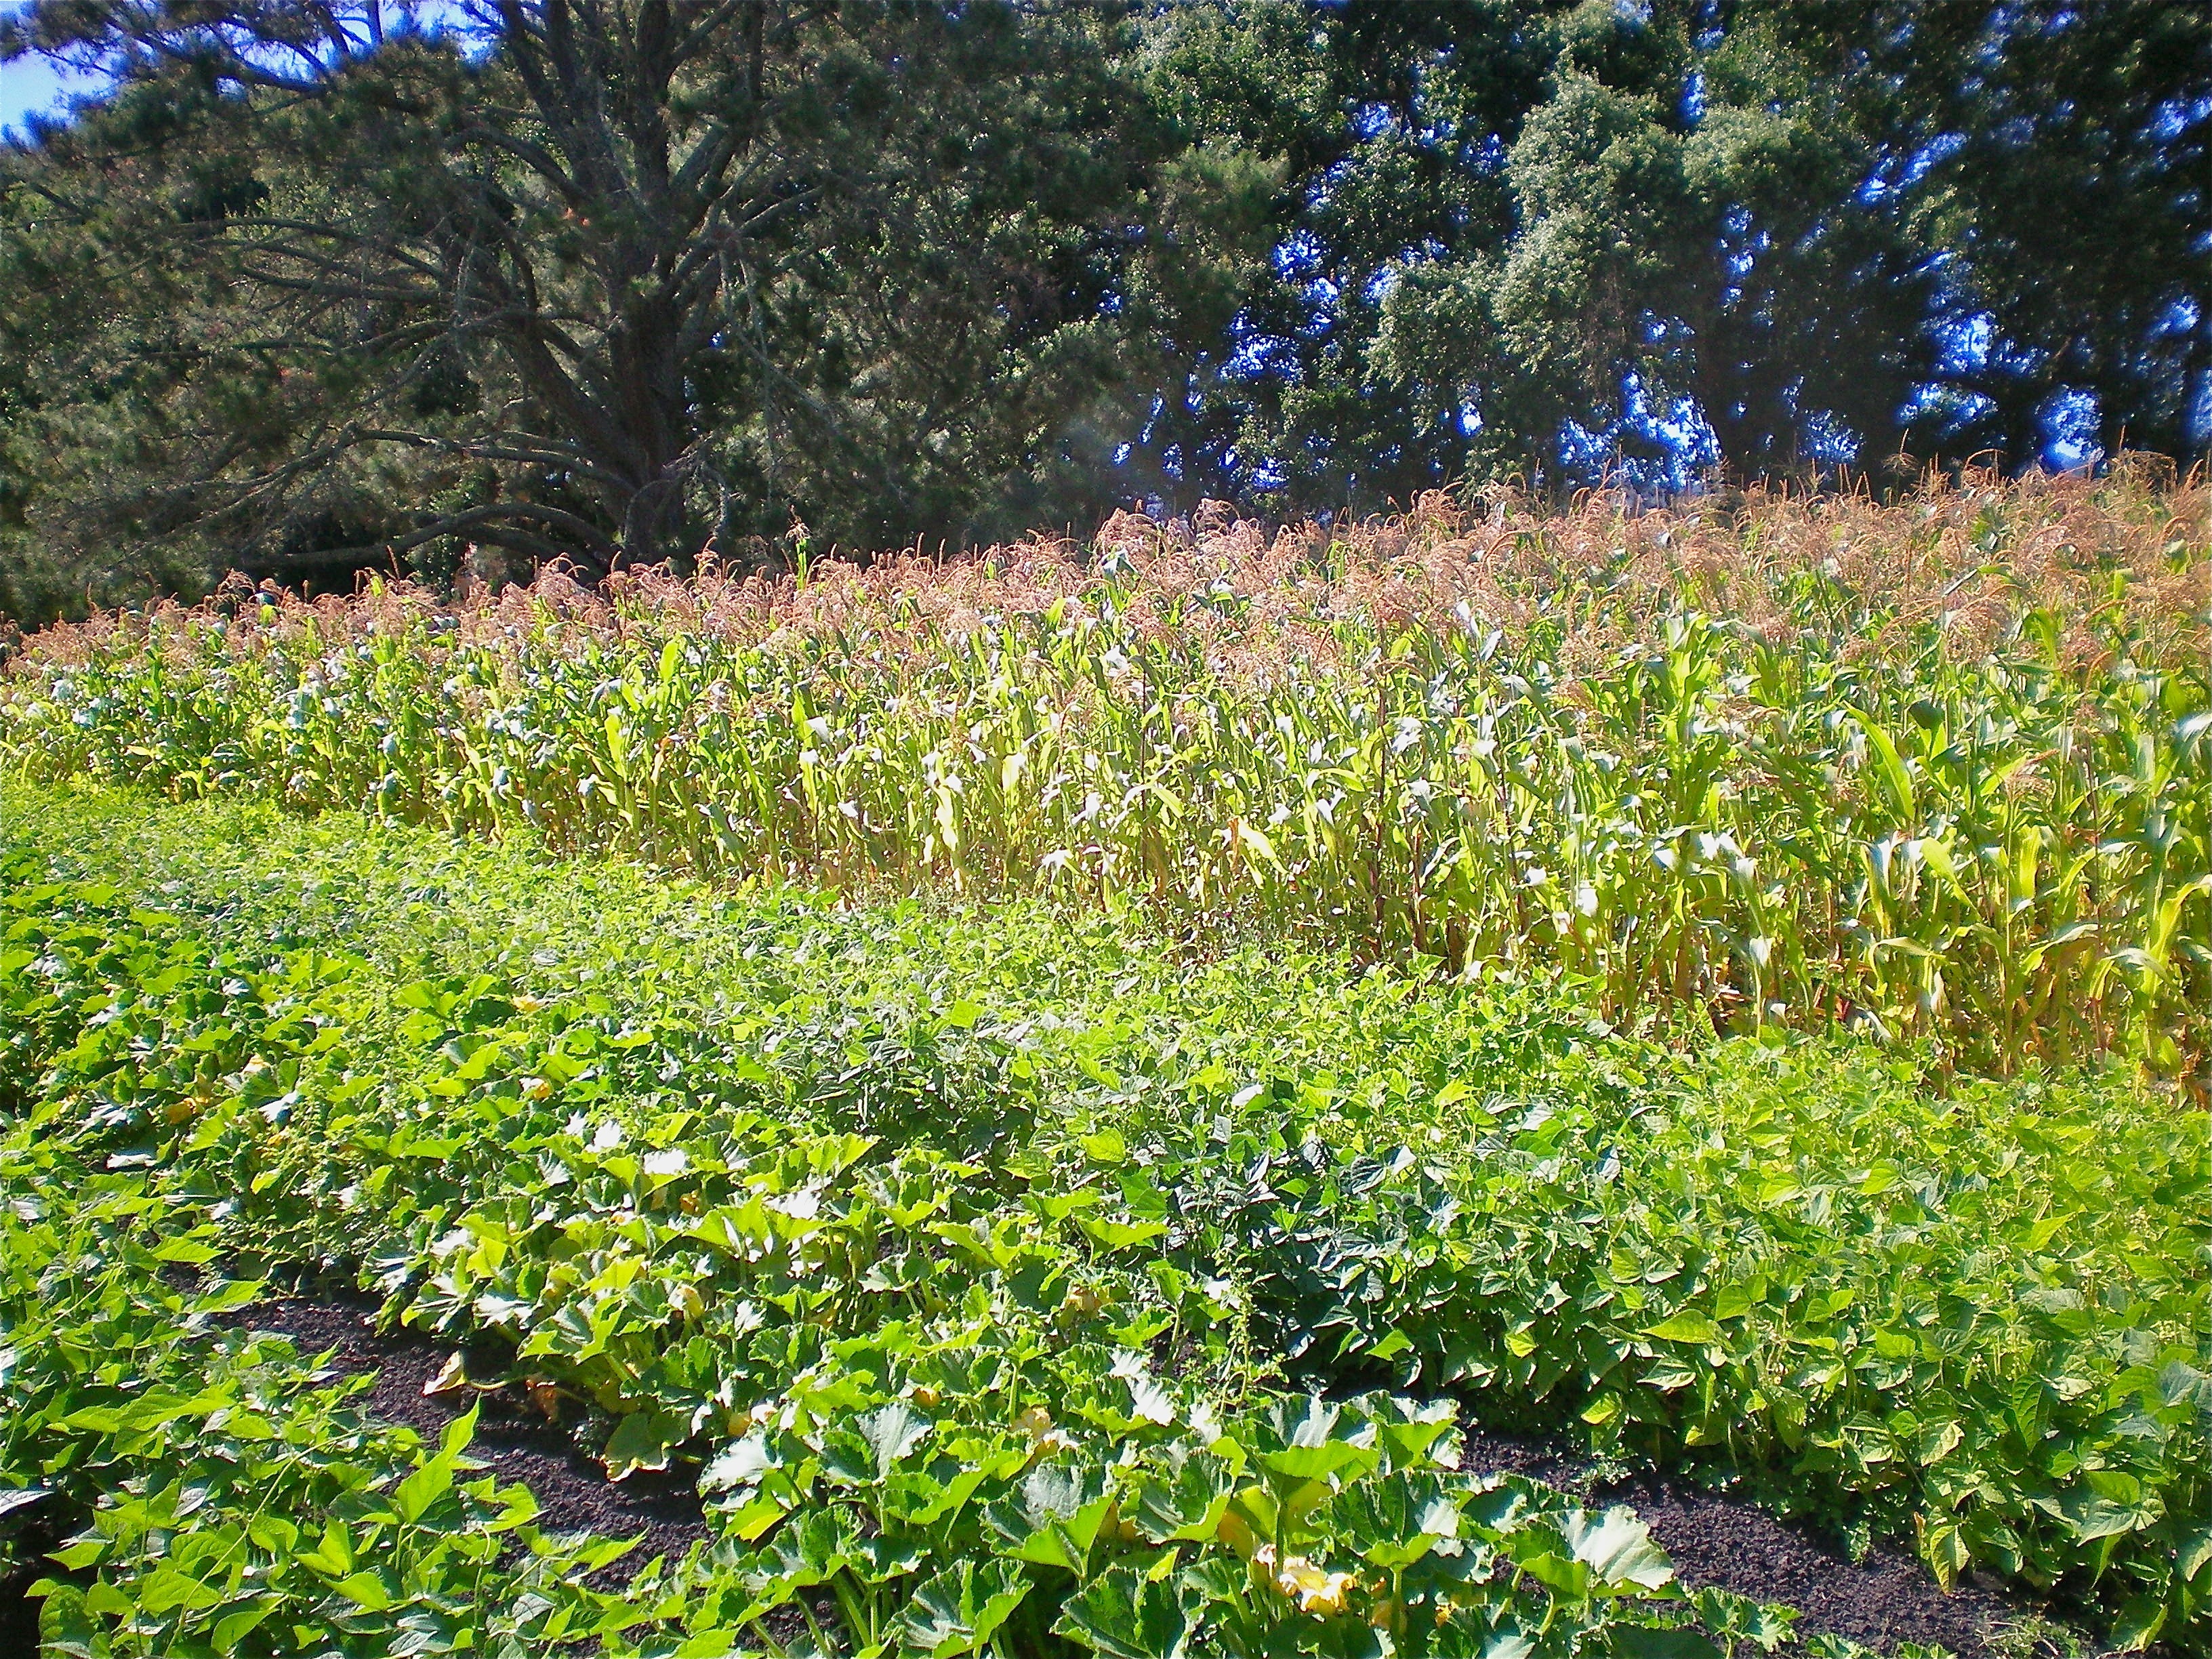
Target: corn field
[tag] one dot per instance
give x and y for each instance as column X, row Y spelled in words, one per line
column 1936, row 769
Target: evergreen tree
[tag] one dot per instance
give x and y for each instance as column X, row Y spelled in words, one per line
column 319, row 288
column 595, row 283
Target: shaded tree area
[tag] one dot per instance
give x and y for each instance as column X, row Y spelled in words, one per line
column 604, row 284
column 314, row 291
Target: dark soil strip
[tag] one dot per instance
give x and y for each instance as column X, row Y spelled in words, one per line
column 1884, row 1598
column 29, row 1536
column 19, row 1614
column 1713, row 1539
column 513, row 1436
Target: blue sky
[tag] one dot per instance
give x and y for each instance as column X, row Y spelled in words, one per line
column 29, row 86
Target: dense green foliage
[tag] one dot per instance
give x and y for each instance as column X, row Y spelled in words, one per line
column 1940, row 770
column 231, row 1499
column 984, row 1260
column 316, row 290
column 1503, row 222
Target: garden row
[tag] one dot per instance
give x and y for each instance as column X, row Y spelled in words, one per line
column 1012, row 1285
column 1938, row 769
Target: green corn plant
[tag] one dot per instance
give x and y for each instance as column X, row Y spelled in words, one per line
column 1834, row 801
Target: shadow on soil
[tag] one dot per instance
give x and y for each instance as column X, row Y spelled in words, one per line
column 513, row 1436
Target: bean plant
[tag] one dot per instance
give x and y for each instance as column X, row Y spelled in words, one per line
column 1000, row 1302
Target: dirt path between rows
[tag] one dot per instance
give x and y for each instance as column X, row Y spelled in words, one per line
column 513, row 1436
column 1713, row 1538
column 1882, row 1600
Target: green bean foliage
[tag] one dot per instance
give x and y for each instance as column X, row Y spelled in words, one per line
column 1010, row 1284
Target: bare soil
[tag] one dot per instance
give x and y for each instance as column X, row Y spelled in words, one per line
column 1712, row 1538
column 513, row 1436
column 28, row 1534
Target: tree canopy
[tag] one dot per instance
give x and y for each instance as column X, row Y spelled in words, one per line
column 314, row 288
column 1531, row 240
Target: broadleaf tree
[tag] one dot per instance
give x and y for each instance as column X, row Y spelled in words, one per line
column 1541, row 241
